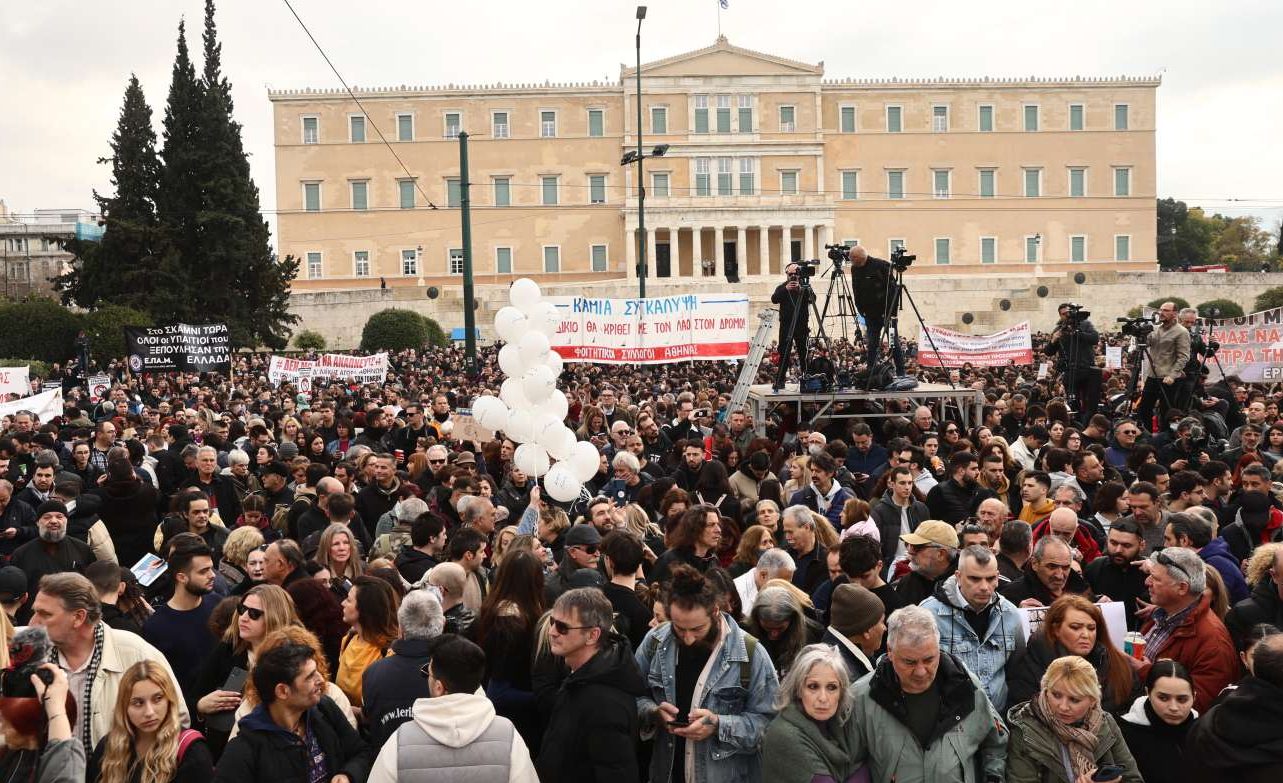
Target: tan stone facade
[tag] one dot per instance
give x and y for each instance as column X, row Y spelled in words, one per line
column 768, row 160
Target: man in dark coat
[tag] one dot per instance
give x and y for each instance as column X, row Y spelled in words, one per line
column 871, row 284
column 591, row 735
column 1048, row 576
column 793, row 301
column 958, row 497
column 54, row 551
column 390, row 686
column 1241, row 738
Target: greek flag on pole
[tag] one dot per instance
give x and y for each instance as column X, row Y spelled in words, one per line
column 725, row 3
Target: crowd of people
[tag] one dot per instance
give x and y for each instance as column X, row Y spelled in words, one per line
column 241, row 581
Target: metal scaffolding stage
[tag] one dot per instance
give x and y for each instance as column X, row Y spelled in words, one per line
column 968, row 402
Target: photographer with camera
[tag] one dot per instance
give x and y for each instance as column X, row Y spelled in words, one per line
column 1074, row 344
column 1190, row 398
column 1167, row 354
column 871, row 283
column 793, row 296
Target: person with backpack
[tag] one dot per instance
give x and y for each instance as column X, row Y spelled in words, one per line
column 147, row 739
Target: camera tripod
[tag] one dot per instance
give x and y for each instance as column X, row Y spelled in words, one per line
column 845, row 312
column 897, row 291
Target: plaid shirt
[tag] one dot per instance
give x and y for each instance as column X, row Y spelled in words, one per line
column 1164, row 626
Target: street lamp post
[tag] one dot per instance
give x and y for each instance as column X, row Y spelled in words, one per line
column 641, row 177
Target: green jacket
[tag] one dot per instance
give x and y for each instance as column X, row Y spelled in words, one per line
column 970, row 739
column 1034, row 753
column 794, row 749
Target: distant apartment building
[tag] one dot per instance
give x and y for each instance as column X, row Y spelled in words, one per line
column 31, row 247
column 767, row 161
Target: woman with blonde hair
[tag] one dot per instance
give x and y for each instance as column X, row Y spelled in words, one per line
column 1062, row 735
column 147, row 742
column 798, row 469
column 502, row 541
column 824, row 532
column 336, row 552
column 235, row 563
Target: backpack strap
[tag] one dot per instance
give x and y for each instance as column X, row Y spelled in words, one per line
column 746, row 667
column 185, row 739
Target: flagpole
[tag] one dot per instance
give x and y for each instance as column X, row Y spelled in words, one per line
column 719, row 18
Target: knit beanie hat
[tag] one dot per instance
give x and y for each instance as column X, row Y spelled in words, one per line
column 854, row 610
column 51, row 505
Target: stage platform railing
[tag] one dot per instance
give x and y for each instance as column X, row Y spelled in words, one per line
column 939, row 397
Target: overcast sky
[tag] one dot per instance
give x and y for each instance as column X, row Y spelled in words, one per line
column 65, row 64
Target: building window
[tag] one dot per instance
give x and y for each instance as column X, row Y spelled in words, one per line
column 703, row 185
column 311, row 130
column 361, row 263
column 1077, row 183
column 312, row 196
column 356, row 129
column 1123, row 247
column 547, row 124
column 895, row 119
column 409, row 262
column 453, row 192
column 659, row 184
column 499, row 125
column 748, row 186
column 985, row 123
column 723, row 114
column 988, row 250
column 453, row 122
column 503, row 260
column 942, row 250
column 701, row 114
column 1122, row 181
column 361, row 195
column 940, row 183
column 551, row 259
column 1031, row 118
column 454, row 261
column 405, row 190
column 405, row 127
column 502, row 191
column 1033, row 183
column 846, row 119
column 940, row 119
column 1032, row 246
column 1078, row 249
column 725, row 182
column 598, row 253
column 548, row 187
column 746, row 114
column 659, row 119
column 597, row 188
column 788, row 183
column 596, row 122
column 1076, row 111
column 788, row 119
column 894, row 245
column 988, row 183
column 1120, row 116
column 850, row 185
column 313, row 265
column 895, row 184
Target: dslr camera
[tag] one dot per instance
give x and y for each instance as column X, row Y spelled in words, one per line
column 901, row 259
column 839, row 254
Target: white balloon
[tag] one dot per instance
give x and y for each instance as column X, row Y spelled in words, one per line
column 538, row 383
column 545, row 425
column 533, row 347
column 544, row 317
column 510, row 323
column 554, row 362
column 490, row 412
column 584, row 460
column 556, row 404
column 520, row 426
column 531, row 459
column 524, row 294
column 510, row 361
column 559, row 443
column 561, row 484
column 510, row 392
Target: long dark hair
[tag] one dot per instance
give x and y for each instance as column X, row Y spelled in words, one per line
column 376, row 606
column 518, row 582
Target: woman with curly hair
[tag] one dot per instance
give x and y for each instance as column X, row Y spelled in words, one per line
column 147, row 742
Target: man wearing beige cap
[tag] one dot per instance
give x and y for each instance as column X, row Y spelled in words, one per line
column 857, row 622
column 932, row 547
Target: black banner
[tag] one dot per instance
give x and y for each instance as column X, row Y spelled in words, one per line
column 183, row 347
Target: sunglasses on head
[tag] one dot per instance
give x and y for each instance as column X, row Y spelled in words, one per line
column 254, row 614
column 589, row 549
column 564, row 627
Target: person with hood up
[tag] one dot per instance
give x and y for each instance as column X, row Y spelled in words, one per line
column 456, row 729
column 1256, row 522
column 591, row 734
column 977, row 625
column 1241, row 739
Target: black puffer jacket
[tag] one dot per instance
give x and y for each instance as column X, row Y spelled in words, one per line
column 129, row 511
column 1240, row 739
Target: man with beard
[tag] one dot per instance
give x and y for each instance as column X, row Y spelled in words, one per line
column 1049, row 574
column 379, row 497
column 687, row 476
column 405, row 439
column 696, row 661
column 958, row 497
column 53, row 551
column 1115, row 575
column 932, row 548
column 375, row 430
column 179, row 627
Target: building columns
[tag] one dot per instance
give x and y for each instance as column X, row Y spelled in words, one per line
column 808, row 243
column 652, row 239
column 786, row 246
column 741, row 252
column 764, row 251
column 719, row 253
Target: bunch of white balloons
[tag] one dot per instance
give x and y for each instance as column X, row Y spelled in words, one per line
column 530, row 409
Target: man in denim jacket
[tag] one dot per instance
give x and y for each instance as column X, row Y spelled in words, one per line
column 711, row 688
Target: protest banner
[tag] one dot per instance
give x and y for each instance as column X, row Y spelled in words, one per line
column 15, row 380
column 1251, row 347
column 99, row 385
column 327, row 367
column 183, row 347
column 45, row 405
column 1115, row 620
column 686, row 327
column 1013, row 344
column 467, row 429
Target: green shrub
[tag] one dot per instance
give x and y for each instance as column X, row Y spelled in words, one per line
column 1227, row 308
column 1269, row 299
column 1178, row 301
column 436, row 335
column 38, row 329
column 309, row 340
column 105, row 328
column 38, row 369
column 394, row 329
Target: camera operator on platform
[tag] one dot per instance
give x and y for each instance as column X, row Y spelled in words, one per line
column 870, row 285
column 1074, row 343
column 793, row 299
column 1191, row 384
column 1167, row 354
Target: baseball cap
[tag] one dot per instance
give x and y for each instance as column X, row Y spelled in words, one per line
column 932, row 531
column 583, row 535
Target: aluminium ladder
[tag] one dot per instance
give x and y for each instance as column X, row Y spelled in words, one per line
column 756, row 352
